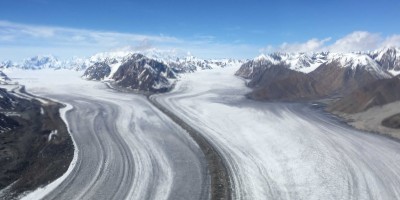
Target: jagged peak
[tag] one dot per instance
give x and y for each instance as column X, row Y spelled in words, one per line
column 261, row 57
column 392, row 51
column 303, row 62
column 351, row 59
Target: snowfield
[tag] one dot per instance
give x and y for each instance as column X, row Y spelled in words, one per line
column 284, row 151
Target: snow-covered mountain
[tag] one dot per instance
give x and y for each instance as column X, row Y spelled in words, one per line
column 388, row 59
column 292, row 76
column 149, row 71
column 46, row 62
column 41, row 62
column 301, row 62
column 356, row 62
column 383, row 61
column 6, row 64
column 134, row 71
column 181, row 64
column 191, row 63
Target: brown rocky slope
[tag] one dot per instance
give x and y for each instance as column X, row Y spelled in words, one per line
column 377, row 93
column 35, row 146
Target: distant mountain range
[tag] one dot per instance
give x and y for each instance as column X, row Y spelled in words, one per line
column 312, row 76
column 46, row 62
column 386, row 59
column 352, row 77
column 180, row 64
column 149, row 70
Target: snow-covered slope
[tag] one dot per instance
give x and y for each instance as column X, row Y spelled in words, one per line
column 384, row 62
column 47, row 62
column 187, row 63
column 191, row 63
column 301, row 62
column 6, row 64
column 356, row 61
column 41, row 62
column 388, row 58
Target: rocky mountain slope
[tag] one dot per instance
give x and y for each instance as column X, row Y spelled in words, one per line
column 279, row 82
column 353, row 85
column 392, row 121
column 141, row 73
column 35, row 146
column 98, row 71
column 388, row 59
column 345, row 72
column 377, row 93
column 133, row 71
column 317, row 75
column 4, row 78
column 151, row 72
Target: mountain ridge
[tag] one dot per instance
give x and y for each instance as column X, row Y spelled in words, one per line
column 338, row 75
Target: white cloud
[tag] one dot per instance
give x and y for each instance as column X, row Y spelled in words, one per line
column 309, row 46
column 19, row 40
column 268, row 49
column 390, row 41
column 50, row 36
column 355, row 41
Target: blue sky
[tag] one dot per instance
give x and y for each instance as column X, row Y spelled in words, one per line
column 224, row 28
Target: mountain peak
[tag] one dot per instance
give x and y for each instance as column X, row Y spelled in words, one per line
column 261, row 57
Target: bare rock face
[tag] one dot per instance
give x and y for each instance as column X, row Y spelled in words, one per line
column 4, row 78
column 282, row 76
column 142, row 73
column 28, row 158
column 269, row 75
column 134, row 71
column 295, row 86
column 333, row 79
column 378, row 93
column 392, row 121
column 97, row 71
column 7, row 101
column 253, row 68
column 278, row 82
